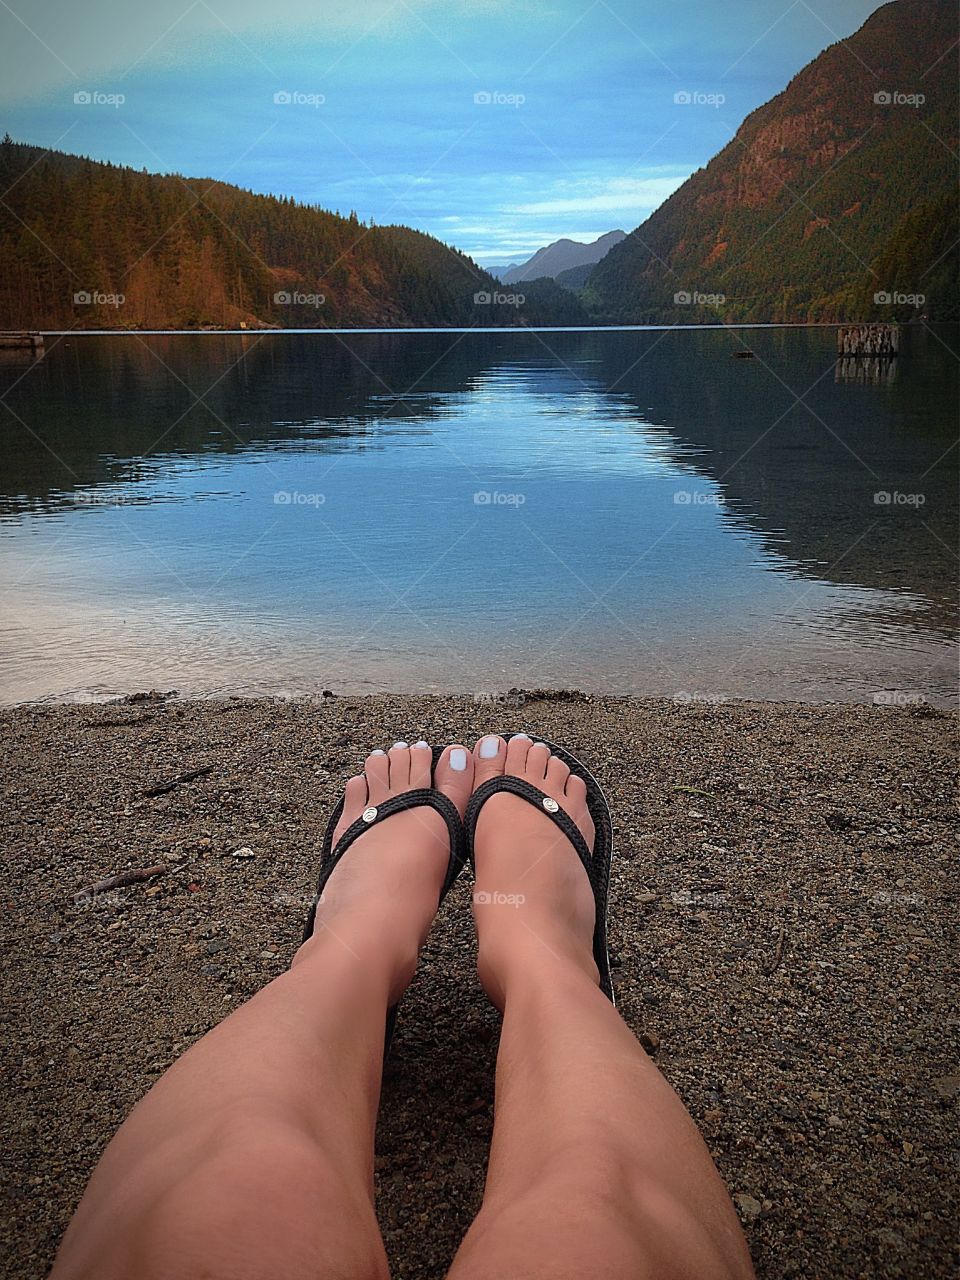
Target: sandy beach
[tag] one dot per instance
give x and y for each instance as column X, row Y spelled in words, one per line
column 782, row 936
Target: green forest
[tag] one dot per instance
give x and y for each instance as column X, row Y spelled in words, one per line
column 91, row 245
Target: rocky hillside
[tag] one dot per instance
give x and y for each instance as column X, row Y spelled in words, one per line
column 836, row 190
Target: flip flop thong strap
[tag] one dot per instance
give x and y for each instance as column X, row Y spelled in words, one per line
column 422, row 797
column 372, row 816
column 540, row 800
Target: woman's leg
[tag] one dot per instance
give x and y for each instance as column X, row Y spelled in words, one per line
column 596, row 1169
column 252, row 1158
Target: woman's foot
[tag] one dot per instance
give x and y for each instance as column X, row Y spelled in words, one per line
column 381, row 898
column 533, row 904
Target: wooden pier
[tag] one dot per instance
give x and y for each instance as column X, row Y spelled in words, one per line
column 24, row 341
column 879, row 341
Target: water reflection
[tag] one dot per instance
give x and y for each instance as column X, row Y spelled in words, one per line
column 174, row 448
column 874, row 369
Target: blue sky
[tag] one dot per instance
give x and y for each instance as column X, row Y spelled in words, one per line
column 576, row 129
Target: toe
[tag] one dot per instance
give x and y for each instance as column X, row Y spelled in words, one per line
column 517, row 749
column 557, row 774
column 377, row 768
column 421, row 764
column 399, row 757
column 489, row 758
column 535, row 767
column 354, row 803
column 575, row 803
column 355, row 797
column 454, row 776
column 576, row 790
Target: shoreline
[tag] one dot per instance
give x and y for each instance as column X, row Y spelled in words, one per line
column 500, row 328
column 495, row 702
column 780, row 934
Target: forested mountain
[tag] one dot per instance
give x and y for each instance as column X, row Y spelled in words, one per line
column 836, row 190
column 840, row 189
column 186, row 252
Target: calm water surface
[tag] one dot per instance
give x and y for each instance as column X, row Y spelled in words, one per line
column 628, row 511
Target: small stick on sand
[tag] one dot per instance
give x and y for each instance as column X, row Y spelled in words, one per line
column 120, row 880
column 163, row 787
column 777, row 954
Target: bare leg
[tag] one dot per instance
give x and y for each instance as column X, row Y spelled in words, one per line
column 596, row 1169
column 252, row 1158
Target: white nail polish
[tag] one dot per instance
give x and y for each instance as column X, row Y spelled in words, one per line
column 524, row 737
column 458, row 759
column 421, row 743
column 541, row 744
column 378, row 752
column 489, row 748
column 397, row 745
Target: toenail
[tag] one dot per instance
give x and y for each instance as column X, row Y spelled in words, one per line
column 421, row 743
column 368, row 815
column 550, row 804
column 458, row 759
column 378, row 752
column 524, row 737
column 489, row 747
column 541, row 744
column 397, row 745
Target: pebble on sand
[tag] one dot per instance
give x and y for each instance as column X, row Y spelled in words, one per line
column 748, row 1205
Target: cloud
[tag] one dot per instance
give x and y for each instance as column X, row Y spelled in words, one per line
column 597, row 143
column 51, row 43
column 615, row 195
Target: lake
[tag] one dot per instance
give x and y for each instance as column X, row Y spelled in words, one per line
column 625, row 511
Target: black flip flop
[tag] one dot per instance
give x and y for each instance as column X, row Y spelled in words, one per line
column 373, row 815
column 596, row 864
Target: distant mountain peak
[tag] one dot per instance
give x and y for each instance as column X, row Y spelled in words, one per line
column 562, row 255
